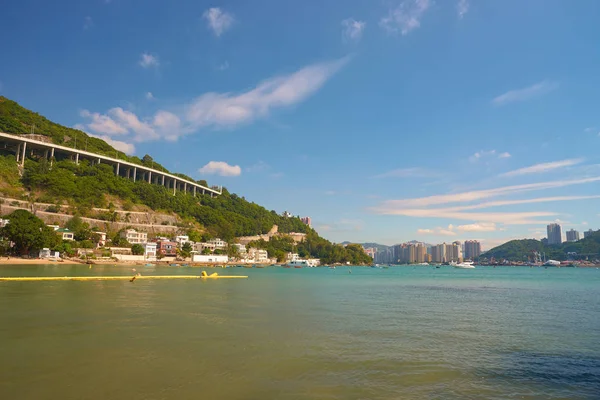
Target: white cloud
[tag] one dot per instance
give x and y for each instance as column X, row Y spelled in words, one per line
column 462, row 7
column 223, row 66
column 227, row 109
column 405, row 17
column 124, row 147
column 217, row 20
column 103, row 124
column 220, row 168
column 589, row 130
column 478, row 227
column 127, row 148
column 422, row 207
column 353, row 29
column 437, row 231
column 149, row 96
column 543, row 167
column 148, row 60
column 527, row 93
column 504, row 155
column 218, row 110
column 88, row 22
column 414, row 172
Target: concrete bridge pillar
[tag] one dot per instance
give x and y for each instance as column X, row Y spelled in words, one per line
column 23, row 155
column 18, row 153
column 77, row 158
column 194, row 191
column 174, row 186
column 134, row 173
column 149, row 176
column 163, row 180
column 51, row 156
column 118, row 166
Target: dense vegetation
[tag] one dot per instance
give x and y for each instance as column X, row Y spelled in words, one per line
column 522, row 250
column 314, row 246
column 83, row 186
column 28, row 233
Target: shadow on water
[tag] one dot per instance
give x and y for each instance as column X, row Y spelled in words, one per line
column 555, row 375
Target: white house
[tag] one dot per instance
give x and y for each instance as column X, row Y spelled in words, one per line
column 134, row 237
column 3, row 222
column 149, row 251
column 65, row 234
column 182, row 239
column 211, row 258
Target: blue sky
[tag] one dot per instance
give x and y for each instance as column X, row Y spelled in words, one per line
column 382, row 120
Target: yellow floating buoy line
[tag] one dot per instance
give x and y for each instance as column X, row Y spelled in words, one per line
column 204, row 275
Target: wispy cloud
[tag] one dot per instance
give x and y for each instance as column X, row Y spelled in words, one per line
column 218, row 110
column 148, row 60
column 527, row 93
column 88, row 22
column 543, row 167
column 405, row 17
column 220, row 168
column 149, row 96
column 352, row 29
column 462, row 7
column 217, row 20
column 485, row 194
column 488, row 154
column 223, row 66
column 413, row 172
column 437, row 206
column 260, row 166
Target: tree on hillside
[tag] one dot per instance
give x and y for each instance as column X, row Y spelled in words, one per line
column 28, row 232
column 186, row 250
column 137, row 249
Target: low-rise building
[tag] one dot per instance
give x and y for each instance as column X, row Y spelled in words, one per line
column 182, row 239
column 47, row 253
column 258, row 255
column 241, row 249
column 65, row 234
column 4, row 222
column 134, row 237
column 218, row 243
column 166, row 248
column 101, row 238
column 149, row 251
column 210, row 258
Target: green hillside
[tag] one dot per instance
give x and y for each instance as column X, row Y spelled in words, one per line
column 520, row 250
column 85, row 186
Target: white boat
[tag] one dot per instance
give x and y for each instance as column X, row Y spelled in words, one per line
column 551, row 263
column 301, row 263
column 463, row 265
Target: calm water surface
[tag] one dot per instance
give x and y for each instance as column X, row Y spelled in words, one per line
column 397, row 333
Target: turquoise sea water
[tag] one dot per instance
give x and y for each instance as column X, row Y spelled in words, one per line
column 397, row 333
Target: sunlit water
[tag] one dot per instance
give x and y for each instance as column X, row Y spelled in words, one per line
column 397, row 333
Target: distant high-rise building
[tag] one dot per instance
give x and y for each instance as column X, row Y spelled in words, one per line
column 587, row 233
column 306, row 220
column 554, row 234
column 371, row 252
column 472, row 249
column 572, row 235
column 420, row 253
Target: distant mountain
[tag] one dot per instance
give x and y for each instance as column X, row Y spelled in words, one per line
column 520, row 250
